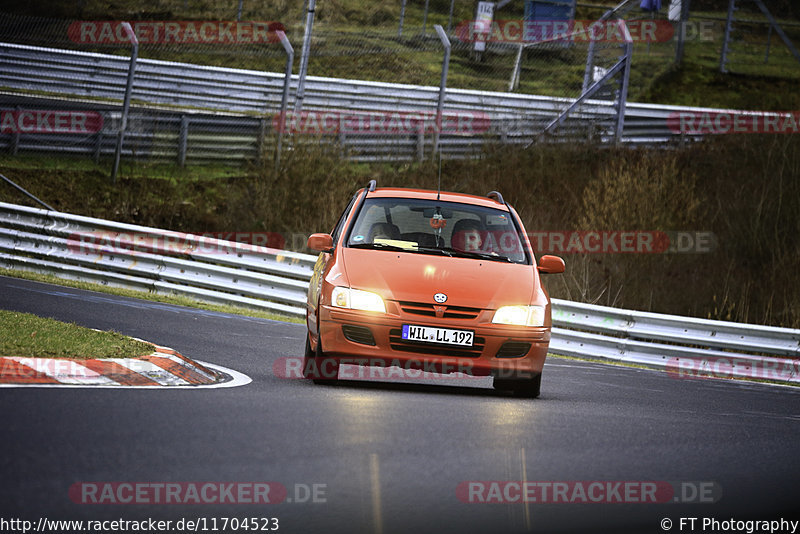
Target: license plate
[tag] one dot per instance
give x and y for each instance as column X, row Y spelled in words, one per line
column 430, row 334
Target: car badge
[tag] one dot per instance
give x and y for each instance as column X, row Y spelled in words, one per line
column 441, row 298
column 439, row 311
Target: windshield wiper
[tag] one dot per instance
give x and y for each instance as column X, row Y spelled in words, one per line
column 492, row 256
column 381, row 246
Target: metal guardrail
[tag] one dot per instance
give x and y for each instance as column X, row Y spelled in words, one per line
column 149, row 259
column 685, row 346
column 231, row 95
column 138, row 257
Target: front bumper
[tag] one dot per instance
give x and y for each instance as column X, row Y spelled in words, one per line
column 364, row 338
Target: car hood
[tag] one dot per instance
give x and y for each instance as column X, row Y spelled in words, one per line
column 416, row 277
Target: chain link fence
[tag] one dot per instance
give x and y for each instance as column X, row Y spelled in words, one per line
column 515, row 52
column 756, row 43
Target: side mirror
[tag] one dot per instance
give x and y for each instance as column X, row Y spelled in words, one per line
column 321, row 242
column 551, row 265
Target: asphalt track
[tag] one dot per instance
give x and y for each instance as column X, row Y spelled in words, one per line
column 388, row 456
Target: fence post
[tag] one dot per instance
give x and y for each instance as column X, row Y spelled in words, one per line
column 514, row 83
column 402, row 16
column 626, row 74
column 301, row 78
column 723, row 57
column 287, row 80
column 450, row 18
column 769, row 43
column 127, row 101
column 681, row 38
column 442, row 86
column 588, row 73
column 425, row 19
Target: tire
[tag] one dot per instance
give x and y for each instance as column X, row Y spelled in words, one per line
column 522, row 387
column 317, row 368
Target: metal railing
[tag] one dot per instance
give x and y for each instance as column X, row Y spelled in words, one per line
column 243, row 104
column 149, row 259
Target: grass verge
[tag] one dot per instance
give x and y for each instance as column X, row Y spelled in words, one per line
column 30, row 336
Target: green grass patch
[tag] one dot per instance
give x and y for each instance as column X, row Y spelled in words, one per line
column 30, row 336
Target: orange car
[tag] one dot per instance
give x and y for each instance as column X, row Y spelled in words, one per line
column 432, row 281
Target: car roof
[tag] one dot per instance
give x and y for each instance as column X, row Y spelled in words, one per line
column 446, row 196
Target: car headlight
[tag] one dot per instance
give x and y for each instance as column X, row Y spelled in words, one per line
column 355, row 299
column 520, row 315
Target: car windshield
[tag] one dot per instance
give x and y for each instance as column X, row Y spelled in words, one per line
column 437, row 227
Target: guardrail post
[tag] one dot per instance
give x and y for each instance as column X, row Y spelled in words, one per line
column 421, row 141
column 98, row 147
column 127, row 102
column 442, row 85
column 287, row 80
column 342, row 132
column 15, row 137
column 183, row 140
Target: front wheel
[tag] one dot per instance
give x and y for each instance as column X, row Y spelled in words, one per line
column 522, row 387
column 317, row 367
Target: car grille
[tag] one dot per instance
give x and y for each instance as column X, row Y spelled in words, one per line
column 396, row 342
column 358, row 334
column 513, row 349
column 450, row 312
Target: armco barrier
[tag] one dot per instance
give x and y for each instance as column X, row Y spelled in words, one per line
column 138, row 257
column 125, row 255
column 214, row 100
